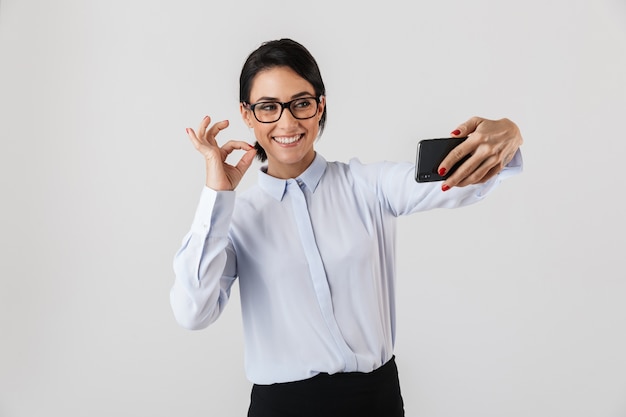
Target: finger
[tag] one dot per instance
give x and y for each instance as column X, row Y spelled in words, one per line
column 454, row 156
column 214, row 130
column 475, row 175
column 203, row 127
column 245, row 161
column 467, row 127
column 491, row 173
column 193, row 137
column 232, row 145
column 201, row 146
column 477, row 179
column 461, row 174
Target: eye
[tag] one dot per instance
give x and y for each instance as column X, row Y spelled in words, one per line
column 267, row 107
column 303, row 103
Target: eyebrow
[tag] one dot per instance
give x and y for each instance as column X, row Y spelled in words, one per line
column 301, row 94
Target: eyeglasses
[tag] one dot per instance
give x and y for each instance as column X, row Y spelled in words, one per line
column 271, row 111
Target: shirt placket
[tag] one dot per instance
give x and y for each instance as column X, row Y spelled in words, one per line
column 316, row 268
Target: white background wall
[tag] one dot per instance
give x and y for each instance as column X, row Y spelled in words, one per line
column 513, row 307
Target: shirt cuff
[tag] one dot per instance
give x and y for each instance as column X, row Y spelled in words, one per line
column 514, row 167
column 214, row 212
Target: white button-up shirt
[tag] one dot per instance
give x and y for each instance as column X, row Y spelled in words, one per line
column 315, row 258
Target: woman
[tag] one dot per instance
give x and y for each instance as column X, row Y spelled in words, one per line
column 313, row 244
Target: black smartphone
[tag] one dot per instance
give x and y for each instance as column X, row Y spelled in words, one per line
column 430, row 154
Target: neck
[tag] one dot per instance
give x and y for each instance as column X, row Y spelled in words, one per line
column 286, row 171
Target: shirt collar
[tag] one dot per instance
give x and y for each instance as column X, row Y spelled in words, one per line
column 311, row 177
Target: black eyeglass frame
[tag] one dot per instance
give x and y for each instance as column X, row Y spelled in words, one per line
column 283, row 106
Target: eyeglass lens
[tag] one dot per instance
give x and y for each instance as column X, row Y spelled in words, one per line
column 271, row 111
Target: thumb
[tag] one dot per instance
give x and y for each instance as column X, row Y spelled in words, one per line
column 246, row 160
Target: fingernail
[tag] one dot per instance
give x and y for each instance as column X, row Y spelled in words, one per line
column 456, row 132
column 187, row 130
column 205, row 117
column 442, row 172
column 445, row 187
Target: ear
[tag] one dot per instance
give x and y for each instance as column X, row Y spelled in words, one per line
column 246, row 115
column 322, row 105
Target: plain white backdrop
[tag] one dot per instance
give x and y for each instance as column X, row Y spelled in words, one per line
column 513, row 307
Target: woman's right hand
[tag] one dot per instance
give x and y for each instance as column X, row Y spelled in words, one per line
column 220, row 176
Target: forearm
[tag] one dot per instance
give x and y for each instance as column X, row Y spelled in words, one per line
column 395, row 186
column 203, row 276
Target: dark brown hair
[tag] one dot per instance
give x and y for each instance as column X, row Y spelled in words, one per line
column 281, row 53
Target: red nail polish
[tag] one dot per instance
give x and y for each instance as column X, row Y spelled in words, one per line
column 456, row 132
column 445, row 187
column 442, row 172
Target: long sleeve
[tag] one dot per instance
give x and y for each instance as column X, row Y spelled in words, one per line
column 205, row 264
column 398, row 191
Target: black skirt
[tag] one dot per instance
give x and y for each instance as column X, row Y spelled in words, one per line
column 372, row 394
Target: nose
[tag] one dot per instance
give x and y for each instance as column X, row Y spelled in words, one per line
column 287, row 118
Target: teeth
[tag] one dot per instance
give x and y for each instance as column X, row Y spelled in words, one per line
column 287, row 140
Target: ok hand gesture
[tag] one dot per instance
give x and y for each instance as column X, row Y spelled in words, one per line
column 220, row 176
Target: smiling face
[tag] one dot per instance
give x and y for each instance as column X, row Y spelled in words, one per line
column 288, row 142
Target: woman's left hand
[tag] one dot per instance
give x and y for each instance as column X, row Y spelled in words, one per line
column 491, row 144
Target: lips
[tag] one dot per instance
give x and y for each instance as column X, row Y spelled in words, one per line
column 287, row 140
